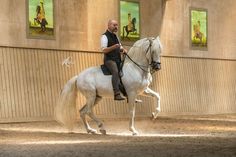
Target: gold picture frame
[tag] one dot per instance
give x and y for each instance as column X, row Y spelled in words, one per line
column 129, row 15
column 198, row 29
column 40, row 19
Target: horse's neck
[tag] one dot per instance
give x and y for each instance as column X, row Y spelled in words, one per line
column 137, row 72
column 137, row 56
column 139, row 63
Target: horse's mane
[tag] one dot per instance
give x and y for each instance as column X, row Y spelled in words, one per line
column 137, row 46
column 143, row 45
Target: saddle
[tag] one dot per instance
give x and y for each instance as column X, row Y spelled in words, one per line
column 106, row 71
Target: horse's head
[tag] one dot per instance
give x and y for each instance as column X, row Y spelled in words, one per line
column 134, row 21
column 145, row 53
column 153, row 53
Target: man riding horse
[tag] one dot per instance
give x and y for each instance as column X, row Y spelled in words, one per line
column 130, row 27
column 112, row 50
column 40, row 16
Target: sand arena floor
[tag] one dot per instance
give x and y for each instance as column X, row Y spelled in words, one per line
column 167, row 136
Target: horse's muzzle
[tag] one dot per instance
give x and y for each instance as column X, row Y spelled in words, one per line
column 156, row 65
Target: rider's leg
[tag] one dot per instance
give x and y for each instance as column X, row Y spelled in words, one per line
column 112, row 66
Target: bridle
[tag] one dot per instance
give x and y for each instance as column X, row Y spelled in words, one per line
column 152, row 64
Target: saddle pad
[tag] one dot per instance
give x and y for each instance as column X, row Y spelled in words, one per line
column 105, row 70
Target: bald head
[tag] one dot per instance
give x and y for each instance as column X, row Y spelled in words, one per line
column 112, row 26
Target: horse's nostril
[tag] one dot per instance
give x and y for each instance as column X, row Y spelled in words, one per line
column 156, row 65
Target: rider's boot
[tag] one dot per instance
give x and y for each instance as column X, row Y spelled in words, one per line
column 122, row 89
column 118, row 97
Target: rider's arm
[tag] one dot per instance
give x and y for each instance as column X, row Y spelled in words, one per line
column 122, row 49
column 104, row 43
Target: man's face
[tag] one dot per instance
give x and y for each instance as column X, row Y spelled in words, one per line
column 113, row 26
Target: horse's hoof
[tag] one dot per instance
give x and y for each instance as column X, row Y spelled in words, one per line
column 135, row 133
column 154, row 116
column 102, row 131
column 138, row 101
column 92, row 131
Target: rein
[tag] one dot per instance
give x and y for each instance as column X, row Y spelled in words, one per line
column 140, row 66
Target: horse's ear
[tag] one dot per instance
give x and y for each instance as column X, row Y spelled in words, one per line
column 158, row 38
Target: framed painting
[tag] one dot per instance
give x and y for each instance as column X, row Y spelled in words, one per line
column 199, row 27
column 129, row 21
column 40, row 19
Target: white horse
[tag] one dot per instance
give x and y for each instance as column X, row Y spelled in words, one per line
column 142, row 59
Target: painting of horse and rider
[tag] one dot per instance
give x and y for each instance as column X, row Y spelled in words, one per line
column 129, row 21
column 40, row 19
column 198, row 29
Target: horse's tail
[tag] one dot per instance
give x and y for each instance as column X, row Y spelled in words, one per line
column 65, row 110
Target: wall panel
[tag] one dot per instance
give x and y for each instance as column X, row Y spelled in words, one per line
column 31, row 80
column 197, row 86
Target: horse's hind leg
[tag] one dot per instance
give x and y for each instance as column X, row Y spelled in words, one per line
column 98, row 121
column 83, row 112
column 87, row 109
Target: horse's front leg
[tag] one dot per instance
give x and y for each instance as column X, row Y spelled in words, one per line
column 132, row 106
column 150, row 92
